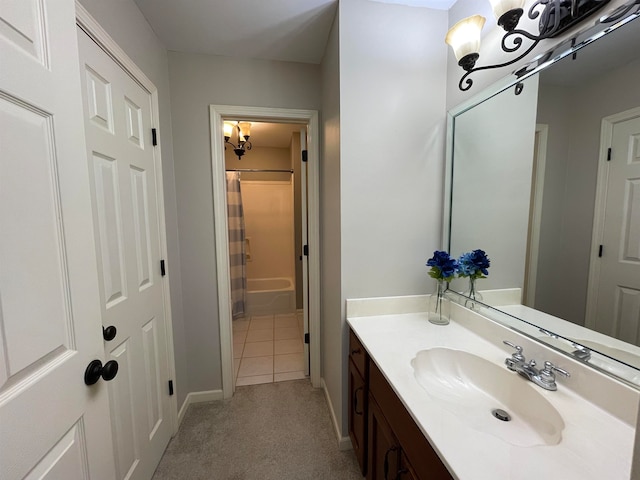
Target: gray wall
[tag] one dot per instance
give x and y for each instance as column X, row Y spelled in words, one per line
column 492, row 163
column 198, row 81
column 275, row 158
column 332, row 305
column 130, row 30
column 392, row 111
column 553, row 111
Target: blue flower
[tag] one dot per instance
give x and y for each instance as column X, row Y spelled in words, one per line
column 474, row 264
column 442, row 266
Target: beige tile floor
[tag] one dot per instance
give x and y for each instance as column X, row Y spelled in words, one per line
column 268, row 348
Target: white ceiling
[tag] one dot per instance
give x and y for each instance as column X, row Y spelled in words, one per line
column 287, row 30
column 436, row 4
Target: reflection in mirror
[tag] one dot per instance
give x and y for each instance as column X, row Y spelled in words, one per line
column 531, row 184
column 621, row 363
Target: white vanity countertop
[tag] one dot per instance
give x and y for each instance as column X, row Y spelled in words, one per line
column 595, row 444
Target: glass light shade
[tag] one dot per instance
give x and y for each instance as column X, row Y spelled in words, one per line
column 245, row 129
column 500, row 7
column 464, row 36
column 228, row 129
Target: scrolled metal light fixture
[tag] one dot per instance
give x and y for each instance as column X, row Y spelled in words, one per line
column 244, row 131
column 556, row 16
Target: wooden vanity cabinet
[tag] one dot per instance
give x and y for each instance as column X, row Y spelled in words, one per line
column 383, row 448
column 406, row 470
column 416, row 459
column 358, row 399
column 387, row 460
column 386, row 440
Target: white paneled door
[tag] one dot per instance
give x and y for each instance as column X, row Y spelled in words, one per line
column 125, row 198
column 618, row 295
column 52, row 425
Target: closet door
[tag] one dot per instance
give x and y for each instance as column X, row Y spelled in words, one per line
column 52, row 424
column 126, row 209
column 617, row 290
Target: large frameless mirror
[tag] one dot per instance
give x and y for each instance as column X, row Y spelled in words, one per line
column 545, row 177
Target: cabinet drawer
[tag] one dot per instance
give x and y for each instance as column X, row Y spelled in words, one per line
column 424, row 461
column 358, row 354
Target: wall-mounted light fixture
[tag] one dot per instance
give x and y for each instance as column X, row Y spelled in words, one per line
column 556, row 16
column 244, row 131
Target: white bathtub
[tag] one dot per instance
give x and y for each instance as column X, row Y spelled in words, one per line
column 270, row 295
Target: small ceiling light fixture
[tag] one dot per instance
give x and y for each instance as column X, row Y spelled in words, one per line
column 556, row 16
column 244, row 131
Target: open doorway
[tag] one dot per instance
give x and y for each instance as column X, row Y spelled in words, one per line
column 261, row 172
column 265, row 190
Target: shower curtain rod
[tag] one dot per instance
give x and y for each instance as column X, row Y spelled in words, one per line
column 261, row 170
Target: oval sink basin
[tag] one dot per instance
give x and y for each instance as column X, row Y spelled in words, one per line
column 472, row 388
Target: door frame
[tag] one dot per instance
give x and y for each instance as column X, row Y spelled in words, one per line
column 606, row 137
column 218, row 113
column 304, row 209
column 101, row 37
column 535, row 217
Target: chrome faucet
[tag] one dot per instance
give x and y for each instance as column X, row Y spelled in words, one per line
column 582, row 353
column 544, row 378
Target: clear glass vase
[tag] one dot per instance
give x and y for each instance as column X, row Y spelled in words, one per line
column 474, row 296
column 439, row 306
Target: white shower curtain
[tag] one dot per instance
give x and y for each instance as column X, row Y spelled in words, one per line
column 237, row 258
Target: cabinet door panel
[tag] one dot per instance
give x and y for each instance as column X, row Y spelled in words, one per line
column 406, row 471
column 424, row 460
column 384, row 450
column 358, row 354
column 358, row 415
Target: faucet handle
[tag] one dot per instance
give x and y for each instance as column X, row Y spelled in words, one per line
column 549, row 368
column 547, row 378
column 518, row 356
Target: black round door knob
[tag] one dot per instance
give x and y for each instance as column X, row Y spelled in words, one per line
column 109, row 333
column 95, row 370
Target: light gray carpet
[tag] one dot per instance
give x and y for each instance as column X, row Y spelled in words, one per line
column 272, row 431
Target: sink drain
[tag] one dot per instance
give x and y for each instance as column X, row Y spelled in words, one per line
column 501, row 414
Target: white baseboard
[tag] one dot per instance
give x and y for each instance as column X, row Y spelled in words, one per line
column 344, row 443
column 198, row 397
